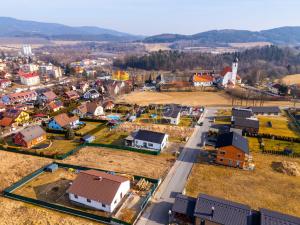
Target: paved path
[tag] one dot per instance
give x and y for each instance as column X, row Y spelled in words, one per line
column 176, row 179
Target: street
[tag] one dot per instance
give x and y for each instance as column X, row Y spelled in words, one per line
column 174, row 183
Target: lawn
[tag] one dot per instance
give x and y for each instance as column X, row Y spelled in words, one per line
column 88, row 127
column 106, row 136
column 281, row 126
column 253, row 144
column 254, row 188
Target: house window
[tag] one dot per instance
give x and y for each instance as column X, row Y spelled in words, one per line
column 103, row 205
column 221, row 160
column 76, row 196
column 88, row 200
column 115, row 201
column 121, row 195
column 222, row 152
column 239, row 155
column 150, row 145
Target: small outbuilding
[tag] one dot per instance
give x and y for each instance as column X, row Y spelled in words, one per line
column 51, row 168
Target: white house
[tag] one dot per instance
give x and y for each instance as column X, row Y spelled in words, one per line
column 99, row 190
column 29, row 79
column 172, row 114
column 91, row 94
column 89, row 108
column 147, row 139
column 274, row 88
column 229, row 75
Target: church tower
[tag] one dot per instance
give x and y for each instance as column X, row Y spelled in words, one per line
column 235, row 65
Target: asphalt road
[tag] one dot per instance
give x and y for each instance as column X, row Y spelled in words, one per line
column 174, row 183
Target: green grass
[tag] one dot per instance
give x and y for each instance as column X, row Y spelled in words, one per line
column 113, row 137
column 88, row 127
column 253, row 144
column 281, row 126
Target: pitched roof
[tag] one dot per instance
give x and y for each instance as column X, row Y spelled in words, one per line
column 246, row 123
column 50, row 95
column 269, row 217
column 12, row 113
column 92, row 106
column 28, row 75
column 64, row 120
column 55, row 104
column 72, row 94
column 96, row 185
column 226, row 70
column 241, row 112
column 267, row 109
column 31, row 133
column 233, row 139
column 150, row 136
column 225, row 212
column 171, row 112
column 202, row 78
column 184, row 205
column 6, row 121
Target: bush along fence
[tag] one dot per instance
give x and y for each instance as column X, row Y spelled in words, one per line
column 284, row 153
column 8, row 192
column 274, row 137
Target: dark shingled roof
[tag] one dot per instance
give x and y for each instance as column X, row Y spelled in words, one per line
column 246, row 123
column 150, row 136
column 240, row 112
column 267, row 109
column 225, row 212
column 233, row 139
column 171, row 111
column 184, row 205
column 269, row 217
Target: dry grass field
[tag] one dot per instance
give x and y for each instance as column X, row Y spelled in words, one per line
column 291, row 79
column 123, row 161
column 187, row 98
column 255, row 188
column 12, row 168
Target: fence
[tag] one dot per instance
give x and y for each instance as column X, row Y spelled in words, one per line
column 108, row 220
column 293, row 155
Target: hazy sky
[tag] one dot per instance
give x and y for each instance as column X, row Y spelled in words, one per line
column 150, row 17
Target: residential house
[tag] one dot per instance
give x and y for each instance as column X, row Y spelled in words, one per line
column 63, row 121
column 91, row 94
column 89, row 109
column 99, row 190
column 210, row 210
column 233, row 150
column 4, row 83
column 30, row 136
column 48, row 96
column 19, row 117
column 202, row 80
column 109, row 105
column 55, row 106
column 274, row 88
column 248, row 125
column 172, row 114
column 266, row 111
column 147, row 139
column 83, row 86
column 229, row 75
column 19, row 97
column 29, row 79
column 71, row 95
column 120, row 75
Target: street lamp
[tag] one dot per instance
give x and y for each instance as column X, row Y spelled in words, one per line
column 169, row 214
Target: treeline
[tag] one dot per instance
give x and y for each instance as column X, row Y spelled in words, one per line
column 255, row 64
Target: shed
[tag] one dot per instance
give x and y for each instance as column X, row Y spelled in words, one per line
column 51, row 168
column 88, row 138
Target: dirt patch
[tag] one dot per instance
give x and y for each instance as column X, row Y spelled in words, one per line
column 123, row 161
column 289, row 168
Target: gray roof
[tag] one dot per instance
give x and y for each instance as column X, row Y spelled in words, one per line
column 171, row 112
column 246, row 123
column 184, row 205
column 31, row 133
column 225, row 212
column 267, row 109
column 233, row 139
column 241, row 112
column 269, row 217
column 150, row 136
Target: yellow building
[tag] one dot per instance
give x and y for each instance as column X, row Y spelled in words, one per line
column 120, row 75
column 18, row 116
column 22, row 118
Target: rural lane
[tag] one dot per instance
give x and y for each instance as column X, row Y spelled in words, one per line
column 174, row 183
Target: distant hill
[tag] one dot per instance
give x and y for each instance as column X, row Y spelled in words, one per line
column 10, row 27
column 282, row 35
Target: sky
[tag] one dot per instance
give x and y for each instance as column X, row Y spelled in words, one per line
column 150, row 17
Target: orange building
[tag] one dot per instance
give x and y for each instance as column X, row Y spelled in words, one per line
column 233, row 150
column 120, row 75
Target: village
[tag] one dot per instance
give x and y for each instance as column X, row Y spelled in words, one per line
column 113, row 161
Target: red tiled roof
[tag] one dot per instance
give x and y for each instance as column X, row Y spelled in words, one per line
column 6, row 121
column 28, row 75
column 63, row 119
column 97, row 186
column 202, row 78
column 226, row 70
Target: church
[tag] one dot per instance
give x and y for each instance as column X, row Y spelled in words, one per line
column 229, row 77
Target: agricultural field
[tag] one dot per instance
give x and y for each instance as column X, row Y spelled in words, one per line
column 13, row 167
column 281, row 126
column 123, row 161
column 291, row 79
column 198, row 98
column 255, row 188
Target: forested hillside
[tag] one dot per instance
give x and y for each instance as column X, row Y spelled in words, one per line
column 255, row 64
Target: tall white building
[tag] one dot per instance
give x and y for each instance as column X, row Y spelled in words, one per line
column 229, row 75
column 26, row 50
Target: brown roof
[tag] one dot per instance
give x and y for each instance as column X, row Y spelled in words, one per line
column 50, row 95
column 96, row 185
column 6, row 121
column 72, row 94
column 64, row 120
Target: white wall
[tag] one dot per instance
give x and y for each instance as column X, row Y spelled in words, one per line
column 155, row 146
